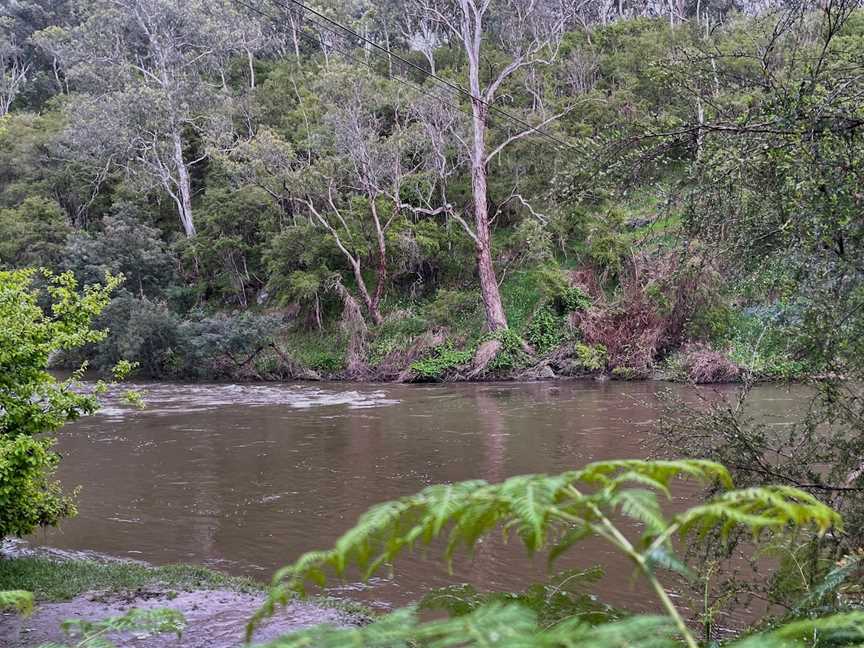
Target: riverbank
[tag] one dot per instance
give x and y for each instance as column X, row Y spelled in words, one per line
column 216, row 606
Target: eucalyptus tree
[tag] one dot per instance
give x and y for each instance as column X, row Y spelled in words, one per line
column 528, row 34
column 14, row 66
column 153, row 74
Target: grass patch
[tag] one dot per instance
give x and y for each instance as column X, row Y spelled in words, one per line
column 52, row 580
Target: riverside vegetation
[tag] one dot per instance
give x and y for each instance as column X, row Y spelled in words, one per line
column 283, row 199
column 287, row 201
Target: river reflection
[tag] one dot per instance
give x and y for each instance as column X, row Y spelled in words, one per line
column 245, row 478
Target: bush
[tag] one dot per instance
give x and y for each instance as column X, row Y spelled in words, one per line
column 545, row 332
column 28, row 496
column 451, row 306
column 699, row 364
column 573, row 299
column 591, row 357
column 442, row 360
column 33, row 403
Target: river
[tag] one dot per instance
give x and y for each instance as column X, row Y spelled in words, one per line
column 244, row 478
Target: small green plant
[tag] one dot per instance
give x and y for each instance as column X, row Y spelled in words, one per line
column 625, row 373
column 325, row 361
column 573, row 299
column 511, row 354
column 442, row 360
column 544, row 332
column 591, row 357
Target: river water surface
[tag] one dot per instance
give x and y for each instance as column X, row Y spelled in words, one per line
column 244, row 478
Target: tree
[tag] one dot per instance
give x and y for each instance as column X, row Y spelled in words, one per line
column 34, row 404
column 148, row 67
column 529, row 34
column 14, row 67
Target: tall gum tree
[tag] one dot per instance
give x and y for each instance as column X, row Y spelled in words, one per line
column 152, row 72
column 529, row 33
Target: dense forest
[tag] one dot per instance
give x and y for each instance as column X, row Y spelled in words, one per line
column 446, row 190
column 379, row 190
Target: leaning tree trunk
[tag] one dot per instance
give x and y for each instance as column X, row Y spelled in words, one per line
column 495, row 317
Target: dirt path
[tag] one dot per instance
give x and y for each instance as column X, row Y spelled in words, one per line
column 215, row 619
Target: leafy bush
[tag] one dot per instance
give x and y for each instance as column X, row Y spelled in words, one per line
column 545, row 331
column 574, row 298
column 591, row 357
column 32, row 402
column 125, row 245
column 511, row 354
column 442, row 360
column 141, row 330
column 450, row 306
column 28, row 497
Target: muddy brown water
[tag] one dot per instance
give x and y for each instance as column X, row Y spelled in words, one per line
column 245, row 478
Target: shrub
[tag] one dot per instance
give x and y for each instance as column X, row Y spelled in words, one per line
column 699, row 364
column 28, row 496
column 442, row 360
column 33, row 403
column 574, row 298
column 141, row 330
column 544, row 332
column 450, row 306
column 591, row 357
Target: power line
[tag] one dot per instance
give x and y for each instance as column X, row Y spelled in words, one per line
column 413, row 65
column 405, row 82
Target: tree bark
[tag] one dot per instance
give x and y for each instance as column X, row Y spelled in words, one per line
column 184, row 187
column 495, row 317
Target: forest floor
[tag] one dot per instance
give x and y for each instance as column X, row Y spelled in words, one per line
column 216, row 607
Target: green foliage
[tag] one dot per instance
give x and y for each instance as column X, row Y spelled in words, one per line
column 591, row 357
column 38, row 320
column 124, row 245
column 545, row 331
column 511, row 354
column 573, row 299
column 32, row 401
column 32, row 234
column 495, row 624
column 554, row 513
column 521, row 293
column 451, row 306
column 28, row 496
column 20, row 600
column 442, row 360
column 566, row 595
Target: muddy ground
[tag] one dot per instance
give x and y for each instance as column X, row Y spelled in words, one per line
column 215, row 619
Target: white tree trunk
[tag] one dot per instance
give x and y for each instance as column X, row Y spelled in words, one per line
column 184, row 187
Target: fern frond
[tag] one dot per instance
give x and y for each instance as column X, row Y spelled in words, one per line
column 760, row 508
column 641, row 505
column 835, row 630
column 830, row 583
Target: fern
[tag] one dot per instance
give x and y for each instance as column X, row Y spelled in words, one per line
column 495, row 624
column 555, row 513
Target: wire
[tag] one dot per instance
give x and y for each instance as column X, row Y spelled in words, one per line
column 413, row 65
column 317, row 43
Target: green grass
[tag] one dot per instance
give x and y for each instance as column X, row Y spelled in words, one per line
column 51, row 580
